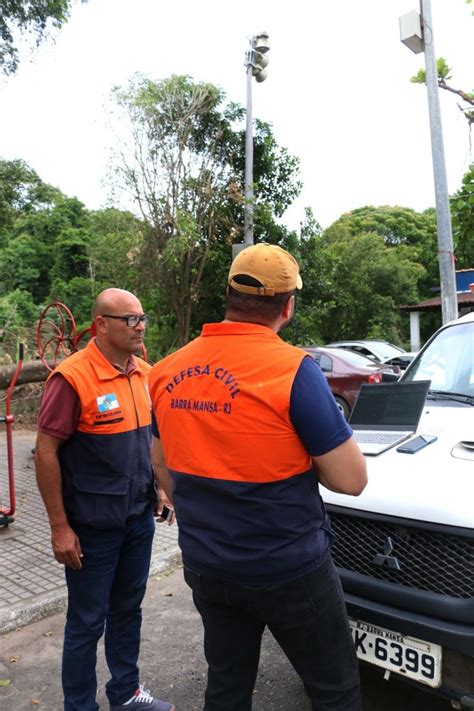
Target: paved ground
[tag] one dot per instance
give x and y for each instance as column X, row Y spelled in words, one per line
column 32, row 596
column 172, row 663
column 31, row 582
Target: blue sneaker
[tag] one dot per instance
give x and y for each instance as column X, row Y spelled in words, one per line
column 143, row 700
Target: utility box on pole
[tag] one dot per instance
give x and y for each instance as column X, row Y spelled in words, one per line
column 410, row 31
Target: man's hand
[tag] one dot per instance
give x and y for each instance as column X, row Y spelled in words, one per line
column 163, row 501
column 343, row 469
column 65, row 543
column 66, row 546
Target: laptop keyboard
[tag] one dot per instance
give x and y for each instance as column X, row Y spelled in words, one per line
column 376, row 437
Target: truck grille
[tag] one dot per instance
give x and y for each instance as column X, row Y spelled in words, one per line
column 427, row 560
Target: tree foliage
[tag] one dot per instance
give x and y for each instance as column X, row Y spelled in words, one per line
column 462, row 212
column 397, row 226
column 444, row 73
column 27, row 16
column 184, row 166
column 21, row 192
column 176, row 170
column 356, row 273
column 368, row 282
column 52, row 248
column 380, row 258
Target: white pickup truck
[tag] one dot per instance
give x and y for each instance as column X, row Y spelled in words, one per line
column 405, row 548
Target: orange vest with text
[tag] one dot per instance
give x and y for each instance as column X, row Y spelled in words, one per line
column 246, row 497
column 106, row 464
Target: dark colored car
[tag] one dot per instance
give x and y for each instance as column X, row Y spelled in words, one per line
column 346, row 371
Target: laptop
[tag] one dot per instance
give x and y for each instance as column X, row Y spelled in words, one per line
column 384, row 415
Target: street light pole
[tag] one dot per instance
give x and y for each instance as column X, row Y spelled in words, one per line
column 416, row 32
column 255, row 63
column 248, row 204
column 449, row 304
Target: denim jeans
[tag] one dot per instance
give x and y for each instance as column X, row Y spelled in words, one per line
column 107, row 591
column 307, row 617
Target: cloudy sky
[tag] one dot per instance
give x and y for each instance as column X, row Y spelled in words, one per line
column 338, row 92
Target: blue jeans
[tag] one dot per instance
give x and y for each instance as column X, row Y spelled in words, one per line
column 308, row 619
column 107, row 591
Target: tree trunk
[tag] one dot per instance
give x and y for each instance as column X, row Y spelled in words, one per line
column 32, row 371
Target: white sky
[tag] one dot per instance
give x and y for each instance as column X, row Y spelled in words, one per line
column 338, row 92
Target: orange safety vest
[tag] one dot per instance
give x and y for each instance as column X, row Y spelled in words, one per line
column 226, row 408
column 222, row 409
column 106, row 464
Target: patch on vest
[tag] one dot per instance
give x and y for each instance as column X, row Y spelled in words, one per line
column 107, row 402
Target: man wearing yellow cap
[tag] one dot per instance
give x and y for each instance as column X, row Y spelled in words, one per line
column 245, row 430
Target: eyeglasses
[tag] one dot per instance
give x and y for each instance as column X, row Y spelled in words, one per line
column 131, row 321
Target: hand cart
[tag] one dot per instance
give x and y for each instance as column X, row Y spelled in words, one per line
column 6, row 513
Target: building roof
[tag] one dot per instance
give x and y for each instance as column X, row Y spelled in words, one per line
column 465, row 298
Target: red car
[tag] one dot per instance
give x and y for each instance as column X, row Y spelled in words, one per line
column 345, row 372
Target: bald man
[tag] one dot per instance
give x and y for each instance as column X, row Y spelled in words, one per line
column 95, row 476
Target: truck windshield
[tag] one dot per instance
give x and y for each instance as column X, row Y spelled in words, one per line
column 448, row 362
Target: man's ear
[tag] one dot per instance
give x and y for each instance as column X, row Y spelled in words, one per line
column 288, row 307
column 99, row 324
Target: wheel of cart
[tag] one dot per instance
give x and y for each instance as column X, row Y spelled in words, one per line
column 57, row 336
column 7, row 511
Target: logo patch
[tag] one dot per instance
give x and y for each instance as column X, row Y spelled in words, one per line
column 107, row 402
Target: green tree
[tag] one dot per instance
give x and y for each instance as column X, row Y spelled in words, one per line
column 444, row 73
column 184, row 168
column 25, row 264
column 115, row 248
column 397, row 226
column 28, row 259
column 18, row 316
column 71, row 255
column 306, row 246
column 27, row 16
column 76, row 294
column 366, row 281
column 21, row 192
column 462, row 212
column 177, row 173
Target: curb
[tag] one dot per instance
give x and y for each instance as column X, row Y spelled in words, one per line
column 25, row 613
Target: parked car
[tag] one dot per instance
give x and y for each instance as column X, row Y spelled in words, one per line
column 402, row 361
column 404, row 548
column 381, row 351
column 345, row 372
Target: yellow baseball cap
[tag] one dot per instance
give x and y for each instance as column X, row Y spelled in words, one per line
column 276, row 270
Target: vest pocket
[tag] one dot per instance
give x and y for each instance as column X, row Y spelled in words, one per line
column 99, row 501
column 96, row 484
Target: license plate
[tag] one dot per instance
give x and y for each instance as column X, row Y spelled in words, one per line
column 411, row 657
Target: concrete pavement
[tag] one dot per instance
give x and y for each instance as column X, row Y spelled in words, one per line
column 172, row 662
column 32, row 602
column 31, row 581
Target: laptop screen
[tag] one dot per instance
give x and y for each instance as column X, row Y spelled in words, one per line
column 390, row 405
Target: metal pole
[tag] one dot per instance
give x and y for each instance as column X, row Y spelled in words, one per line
column 248, row 205
column 449, row 304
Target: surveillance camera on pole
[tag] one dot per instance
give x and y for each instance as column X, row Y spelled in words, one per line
column 256, row 61
column 260, row 59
